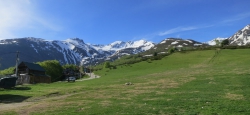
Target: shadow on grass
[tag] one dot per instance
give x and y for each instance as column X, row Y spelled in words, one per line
column 15, row 88
column 21, row 88
column 9, row 98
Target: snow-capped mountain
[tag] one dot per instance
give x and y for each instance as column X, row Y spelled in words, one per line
column 242, row 37
column 120, row 48
column 119, row 45
column 177, row 42
column 69, row 51
column 215, row 41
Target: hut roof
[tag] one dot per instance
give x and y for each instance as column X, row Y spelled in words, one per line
column 32, row 66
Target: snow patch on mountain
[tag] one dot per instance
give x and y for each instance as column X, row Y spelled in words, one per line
column 7, row 41
column 185, row 44
column 119, row 45
column 137, row 43
column 242, row 37
column 34, row 48
column 213, row 42
column 179, row 46
column 175, row 42
column 189, row 41
column 163, row 42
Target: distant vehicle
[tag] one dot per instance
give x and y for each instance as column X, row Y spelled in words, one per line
column 8, row 82
column 71, row 79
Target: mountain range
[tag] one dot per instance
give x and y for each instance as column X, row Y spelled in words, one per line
column 241, row 37
column 76, row 51
column 70, row 51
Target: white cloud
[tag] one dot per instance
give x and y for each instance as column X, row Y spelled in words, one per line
column 47, row 24
column 178, row 29
column 181, row 29
column 13, row 15
column 237, row 17
column 19, row 15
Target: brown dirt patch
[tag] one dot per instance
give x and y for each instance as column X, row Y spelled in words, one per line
column 105, row 103
column 234, row 96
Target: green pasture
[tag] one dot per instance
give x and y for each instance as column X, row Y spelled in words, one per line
column 208, row 82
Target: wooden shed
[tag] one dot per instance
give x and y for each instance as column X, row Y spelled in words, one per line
column 31, row 73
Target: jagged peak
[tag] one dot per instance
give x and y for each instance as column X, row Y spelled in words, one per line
column 174, row 38
column 30, row 38
column 247, row 27
column 116, row 42
column 75, row 39
column 141, row 41
column 213, row 41
column 242, row 37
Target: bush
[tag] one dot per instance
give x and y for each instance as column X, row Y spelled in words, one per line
column 7, row 71
column 225, row 42
column 155, row 53
column 106, row 65
column 53, row 69
column 171, row 50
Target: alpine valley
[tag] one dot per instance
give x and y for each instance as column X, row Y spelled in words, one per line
column 76, row 51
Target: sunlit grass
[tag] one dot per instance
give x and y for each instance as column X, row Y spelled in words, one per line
column 182, row 83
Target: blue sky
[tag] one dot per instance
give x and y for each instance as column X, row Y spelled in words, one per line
column 106, row 21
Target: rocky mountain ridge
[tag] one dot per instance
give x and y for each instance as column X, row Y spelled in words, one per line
column 69, row 51
column 242, row 37
column 215, row 41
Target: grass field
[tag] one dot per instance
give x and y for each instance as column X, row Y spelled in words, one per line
column 191, row 83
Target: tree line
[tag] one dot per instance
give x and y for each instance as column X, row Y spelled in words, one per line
column 53, row 68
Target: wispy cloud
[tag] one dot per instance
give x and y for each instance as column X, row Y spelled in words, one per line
column 237, row 17
column 181, row 29
column 178, row 29
column 13, row 15
column 19, row 15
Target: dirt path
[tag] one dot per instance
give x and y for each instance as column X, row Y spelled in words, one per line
column 31, row 105
column 10, row 106
column 92, row 76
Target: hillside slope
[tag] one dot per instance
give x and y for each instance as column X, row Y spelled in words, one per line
column 196, row 82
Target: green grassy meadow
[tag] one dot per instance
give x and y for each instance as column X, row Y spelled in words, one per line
column 205, row 82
